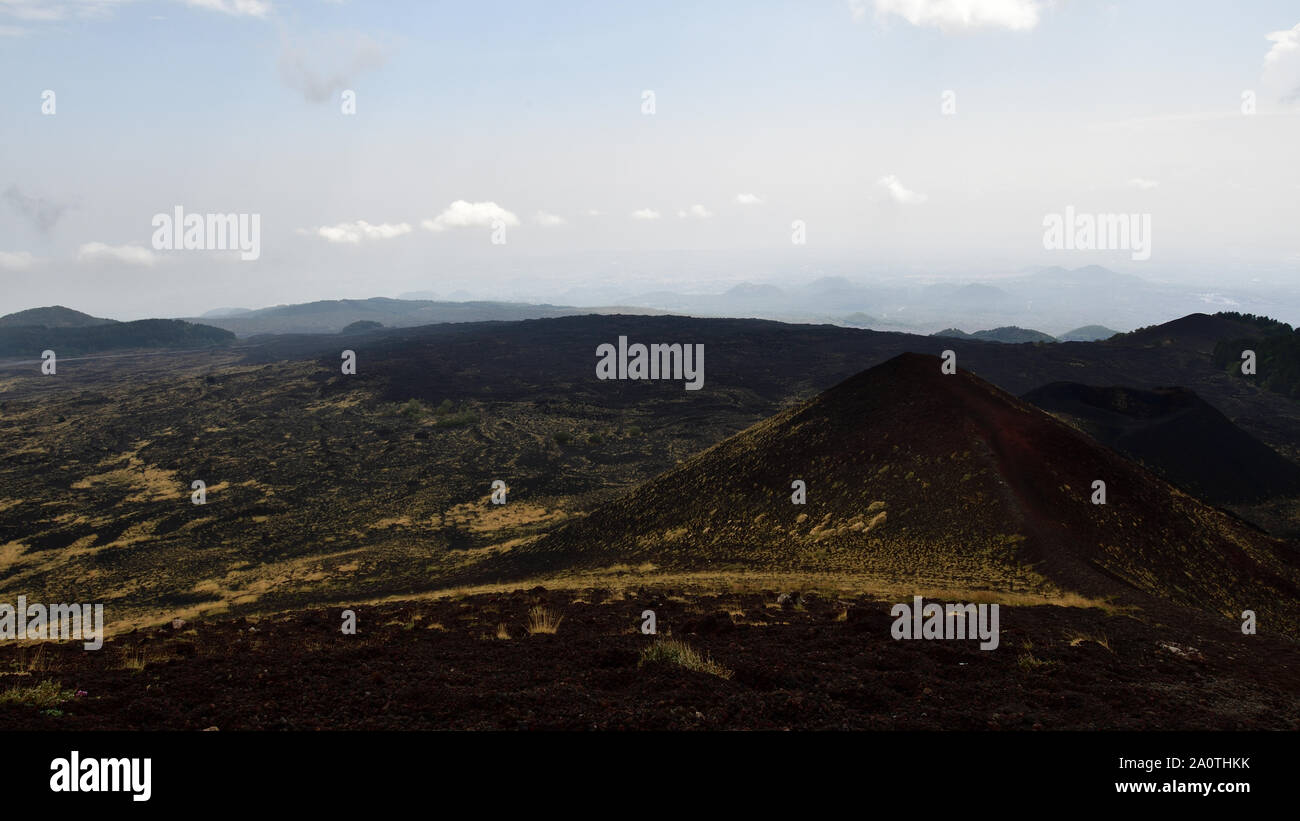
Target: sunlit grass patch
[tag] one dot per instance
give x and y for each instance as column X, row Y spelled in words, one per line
column 42, row 694
column 672, row 651
column 542, row 620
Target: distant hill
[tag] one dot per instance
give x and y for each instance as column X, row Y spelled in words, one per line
column 1088, row 333
column 943, row 479
column 1201, row 332
column 332, row 316
column 55, row 316
column 1179, row 436
column 1010, row 334
column 218, row 313
column 361, row 326
column 1277, row 353
column 28, row 342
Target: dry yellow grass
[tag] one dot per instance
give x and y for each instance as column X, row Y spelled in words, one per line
column 542, row 620
column 831, row 585
column 673, row 651
column 1076, row 638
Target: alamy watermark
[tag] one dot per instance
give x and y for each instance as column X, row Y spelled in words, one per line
column 951, row 621
column 55, row 622
column 1072, row 231
column 77, row 774
column 179, row 231
column 656, row 361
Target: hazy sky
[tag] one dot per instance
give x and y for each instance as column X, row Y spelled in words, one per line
column 536, row 115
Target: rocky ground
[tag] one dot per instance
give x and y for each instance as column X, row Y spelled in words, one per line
column 809, row 662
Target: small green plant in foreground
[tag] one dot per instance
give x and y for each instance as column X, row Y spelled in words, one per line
column 672, row 651
column 46, row 694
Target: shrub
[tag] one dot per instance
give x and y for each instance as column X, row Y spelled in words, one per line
column 542, row 620
column 672, row 651
column 413, row 409
column 46, row 694
column 457, row 420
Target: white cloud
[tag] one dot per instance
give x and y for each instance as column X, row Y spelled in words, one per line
column 462, row 214
column 12, row 31
column 1284, row 43
column 899, row 192
column 695, row 212
column 236, row 8
column 543, row 218
column 16, row 260
column 858, row 10
column 645, row 214
column 50, row 11
column 748, row 199
column 354, row 232
column 1017, row 15
column 592, row 212
column 130, row 254
column 1142, row 184
column 1282, row 64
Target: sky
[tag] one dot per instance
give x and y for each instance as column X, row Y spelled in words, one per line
column 539, row 151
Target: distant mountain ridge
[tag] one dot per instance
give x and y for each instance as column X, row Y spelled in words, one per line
column 1087, row 333
column 1010, row 334
column 53, row 316
column 332, row 316
column 30, row 341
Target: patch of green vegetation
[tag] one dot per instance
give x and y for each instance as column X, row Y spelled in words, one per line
column 412, row 409
column 1267, row 324
column 563, row 438
column 1277, row 365
column 457, row 420
column 672, row 651
column 46, row 694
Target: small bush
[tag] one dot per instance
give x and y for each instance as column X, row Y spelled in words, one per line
column 542, row 620
column 46, row 694
column 563, row 438
column 457, row 420
column 412, row 409
column 1101, row 640
column 672, row 651
column 1028, row 661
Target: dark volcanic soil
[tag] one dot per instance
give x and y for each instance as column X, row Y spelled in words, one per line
column 822, row 664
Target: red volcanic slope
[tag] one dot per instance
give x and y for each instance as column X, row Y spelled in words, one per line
column 914, row 474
